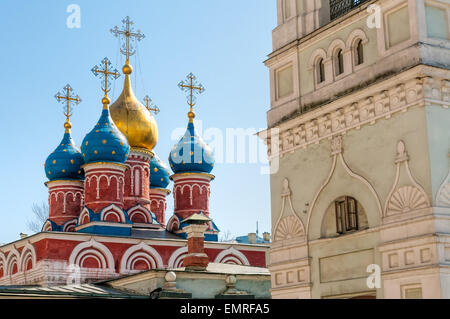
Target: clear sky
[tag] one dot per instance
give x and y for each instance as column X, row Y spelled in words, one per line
column 223, row 42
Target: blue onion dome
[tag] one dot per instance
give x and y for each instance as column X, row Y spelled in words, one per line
column 105, row 143
column 191, row 154
column 159, row 173
column 66, row 160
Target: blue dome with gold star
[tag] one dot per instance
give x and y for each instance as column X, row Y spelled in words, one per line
column 65, row 162
column 159, row 173
column 105, row 143
column 191, row 154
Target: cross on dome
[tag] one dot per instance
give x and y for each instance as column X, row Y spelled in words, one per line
column 191, row 86
column 68, row 98
column 105, row 74
column 127, row 33
column 150, row 106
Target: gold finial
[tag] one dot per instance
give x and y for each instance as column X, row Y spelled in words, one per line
column 68, row 98
column 192, row 87
column 150, row 106
column 127, row 33
column 105, row 74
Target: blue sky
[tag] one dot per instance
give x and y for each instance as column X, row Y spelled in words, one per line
column 223, row 42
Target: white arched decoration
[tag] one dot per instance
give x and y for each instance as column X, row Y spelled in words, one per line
column 70, row 226
column 119, row 182
column 95, row 250
column 114, row 211
column 2, row 265
column 142, row 211
column 338, row 161
column 140, row 252
column 334, row 45
column 315, row 56
column 176, row 260
column 173, row 224
column 47, row 227
column 84, row 217
column 137, row 181
column 232, row 256
column 28, row 253
column 352, row 40
column 12, row 259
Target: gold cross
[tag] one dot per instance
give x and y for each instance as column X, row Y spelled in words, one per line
column 193, row 87
column 128, row 32
column 69, row 98
column 105, row 73
column 150, row 106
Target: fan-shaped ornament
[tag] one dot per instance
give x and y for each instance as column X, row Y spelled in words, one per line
column 289, row 227
column 406, row 199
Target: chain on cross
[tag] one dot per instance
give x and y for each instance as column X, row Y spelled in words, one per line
column 150, row 106
column 191, row 86
column 68, row 98
column 105, row 74
column 127, row 33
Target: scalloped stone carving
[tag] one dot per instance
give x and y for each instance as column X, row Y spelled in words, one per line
column 289, row 227
column 444, row 195
column 405, row 199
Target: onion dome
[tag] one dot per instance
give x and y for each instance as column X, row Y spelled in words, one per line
column 159, row 173
column 66, row 160
column 132, row 118
column 105, row 143
column 191, row 154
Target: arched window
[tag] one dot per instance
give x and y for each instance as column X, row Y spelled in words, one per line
column 320, row 71
column 339, row 62
column 359, row 52
column 344, row 215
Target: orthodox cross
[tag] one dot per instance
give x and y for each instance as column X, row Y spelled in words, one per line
column 105, row 74
column 68, row 98
column 150, row 106
column 127, row 33
column 191, row 86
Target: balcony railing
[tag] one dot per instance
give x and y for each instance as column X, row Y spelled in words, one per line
column 340, row 7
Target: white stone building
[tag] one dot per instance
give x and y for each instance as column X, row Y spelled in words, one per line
column 359, row 141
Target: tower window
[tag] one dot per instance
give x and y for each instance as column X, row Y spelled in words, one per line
column 346, row 211
column 320, row 71
column 339, row 62
column 359, row 53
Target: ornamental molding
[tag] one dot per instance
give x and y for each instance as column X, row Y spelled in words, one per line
column 443, row 195
column 365, row 107
column 405, row 198
column 291, row 226
column 337, row 153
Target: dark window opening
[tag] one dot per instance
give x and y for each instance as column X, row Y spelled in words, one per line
column 346, row 215
column 320, row 71
column 359, row 53
column 339, row 62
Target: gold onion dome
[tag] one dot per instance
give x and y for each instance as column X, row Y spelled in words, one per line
column 132, row 117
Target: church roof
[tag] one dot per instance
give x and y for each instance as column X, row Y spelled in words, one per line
column 105, row 143
column 191, row 154
column 65, row 162
column 159, row 173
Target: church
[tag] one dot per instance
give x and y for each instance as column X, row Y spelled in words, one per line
column 107, row 199
column 358, row 133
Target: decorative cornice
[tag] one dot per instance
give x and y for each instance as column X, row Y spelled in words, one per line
column 356, row 110
column 100, row 165
column 205, row 176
